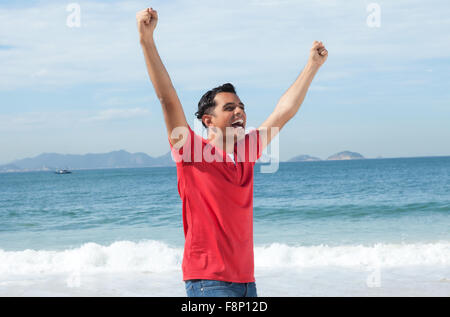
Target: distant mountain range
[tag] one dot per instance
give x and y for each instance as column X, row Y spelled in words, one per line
column 124, row 159
column 345, row 155
column 115, row 159
column 304, row 158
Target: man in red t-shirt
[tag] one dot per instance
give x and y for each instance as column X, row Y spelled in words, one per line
column 215, row 175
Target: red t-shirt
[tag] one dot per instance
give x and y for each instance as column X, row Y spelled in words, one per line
column 217, row 200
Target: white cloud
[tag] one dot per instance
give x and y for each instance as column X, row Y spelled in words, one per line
column 123, row 101
column 262, row 45
column 32, row 121
column 259, row 42
column 118, row 114
column 41, row 73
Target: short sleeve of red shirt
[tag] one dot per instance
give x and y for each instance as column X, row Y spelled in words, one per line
column 217, row 207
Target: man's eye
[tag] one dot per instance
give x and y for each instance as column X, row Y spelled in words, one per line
column 232, row 108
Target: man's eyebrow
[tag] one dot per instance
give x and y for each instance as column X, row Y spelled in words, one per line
column 232, row 104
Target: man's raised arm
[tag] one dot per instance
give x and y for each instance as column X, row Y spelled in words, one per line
column 292, row 99
column 171, row 105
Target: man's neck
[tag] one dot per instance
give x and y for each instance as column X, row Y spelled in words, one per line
column 229, row 147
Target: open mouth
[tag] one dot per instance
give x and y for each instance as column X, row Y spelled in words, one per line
column 238, row 124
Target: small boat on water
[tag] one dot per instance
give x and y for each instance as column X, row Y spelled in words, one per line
column 63, row 172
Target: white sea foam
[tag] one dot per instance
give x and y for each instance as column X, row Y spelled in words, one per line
column 121, row 256
column 153, row 268
column 378, row 255
column 158, row 257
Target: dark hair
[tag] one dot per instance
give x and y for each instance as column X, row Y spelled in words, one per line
column 206, row 104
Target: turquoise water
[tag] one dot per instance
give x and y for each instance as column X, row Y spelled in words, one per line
column 335, row 203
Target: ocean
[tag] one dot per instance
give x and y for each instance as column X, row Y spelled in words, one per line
column 373, row 227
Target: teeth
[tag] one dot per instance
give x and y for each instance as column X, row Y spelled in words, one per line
column 239, row 121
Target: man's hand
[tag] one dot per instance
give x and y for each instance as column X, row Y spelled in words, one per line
column 146, row 22
column 318, row 54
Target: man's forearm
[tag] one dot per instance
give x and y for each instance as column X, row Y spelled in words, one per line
column 158, row 74
column 173, row 113
column 292, row 99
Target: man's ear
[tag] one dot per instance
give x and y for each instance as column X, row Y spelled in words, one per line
column 207, row 119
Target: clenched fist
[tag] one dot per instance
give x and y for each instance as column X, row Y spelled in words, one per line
column 318, row 54
column 146, row 23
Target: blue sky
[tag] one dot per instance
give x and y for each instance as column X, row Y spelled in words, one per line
column 383, row 91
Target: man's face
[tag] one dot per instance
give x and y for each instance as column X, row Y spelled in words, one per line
column 229, row 112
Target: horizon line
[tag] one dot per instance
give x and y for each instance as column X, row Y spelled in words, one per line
column 281, row 161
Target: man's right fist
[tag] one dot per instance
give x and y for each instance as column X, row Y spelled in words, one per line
column 318, row 54
column 146, row 22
